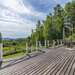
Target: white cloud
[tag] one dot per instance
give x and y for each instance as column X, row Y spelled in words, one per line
column 11, row 13
column 18, row 6
column 12, row 28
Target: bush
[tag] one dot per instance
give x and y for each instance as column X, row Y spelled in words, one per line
column 0, row 38
column 9, row 53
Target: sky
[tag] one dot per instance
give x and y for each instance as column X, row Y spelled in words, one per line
column 19, row 17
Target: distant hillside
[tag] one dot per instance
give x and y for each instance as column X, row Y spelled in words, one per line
column 9, row 38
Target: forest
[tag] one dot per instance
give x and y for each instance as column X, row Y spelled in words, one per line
column 58, row 25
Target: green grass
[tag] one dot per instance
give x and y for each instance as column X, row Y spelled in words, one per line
column 19, row 51
column 13, row 56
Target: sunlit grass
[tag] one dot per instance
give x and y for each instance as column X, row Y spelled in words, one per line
column 14, row 56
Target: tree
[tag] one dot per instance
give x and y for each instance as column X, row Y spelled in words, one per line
column 52, row 27
column 39, row 31
column 58, row 21
column 0, row 37
column 33, row 37
column 70, row 13
column 47, row 27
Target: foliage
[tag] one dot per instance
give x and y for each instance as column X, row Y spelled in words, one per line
column 52, row 27
column 0, row 37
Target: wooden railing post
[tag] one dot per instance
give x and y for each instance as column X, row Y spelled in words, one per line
column 45, row 43
column 48, row 43
column 26, row 48
column 36, row 45
column 53, row 43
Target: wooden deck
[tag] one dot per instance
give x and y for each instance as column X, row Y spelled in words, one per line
column 58, row 61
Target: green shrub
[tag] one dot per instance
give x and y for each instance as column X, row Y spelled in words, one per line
column 0, row 38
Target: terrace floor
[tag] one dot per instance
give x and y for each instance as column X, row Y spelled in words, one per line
column 58, row 61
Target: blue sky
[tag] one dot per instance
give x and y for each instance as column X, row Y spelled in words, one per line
column 19, row 17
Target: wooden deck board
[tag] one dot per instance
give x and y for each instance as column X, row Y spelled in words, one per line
column 56, row 62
